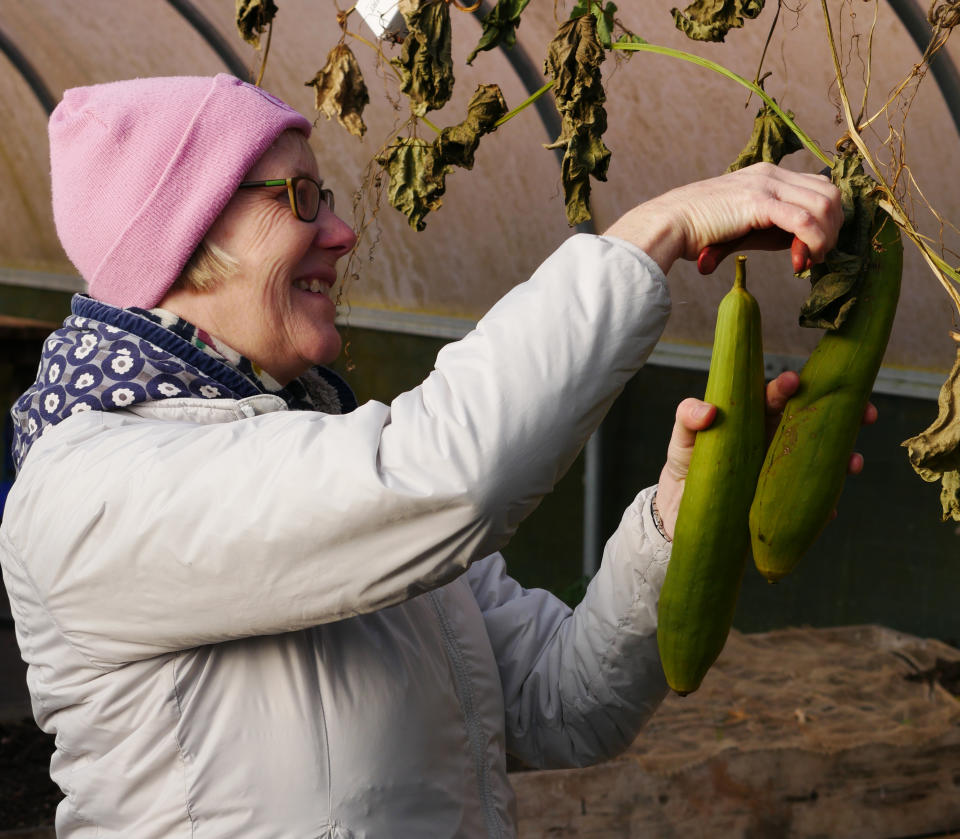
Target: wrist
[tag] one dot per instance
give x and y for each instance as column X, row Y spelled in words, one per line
column 653, row 231
column 667, row 498
column 657, row 518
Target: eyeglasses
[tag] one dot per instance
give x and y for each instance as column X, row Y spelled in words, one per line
column 304, row 192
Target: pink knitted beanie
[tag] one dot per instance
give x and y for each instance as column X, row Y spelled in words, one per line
column 141, row 169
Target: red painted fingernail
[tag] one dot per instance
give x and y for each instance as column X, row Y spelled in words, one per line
column 705, row 262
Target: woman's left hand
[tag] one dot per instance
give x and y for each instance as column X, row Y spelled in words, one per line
column 694, row 415
column 762, row 206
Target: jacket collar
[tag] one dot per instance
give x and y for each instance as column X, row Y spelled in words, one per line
column 104, row 359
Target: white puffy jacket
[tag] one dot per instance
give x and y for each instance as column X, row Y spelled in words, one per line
column 245, row 621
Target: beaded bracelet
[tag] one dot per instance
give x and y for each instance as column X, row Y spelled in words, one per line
column 657, row 520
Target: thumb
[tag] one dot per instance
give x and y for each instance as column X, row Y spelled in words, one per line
column 693, row 415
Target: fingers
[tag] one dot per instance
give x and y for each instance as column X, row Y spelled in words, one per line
column 761, row 240
column 813, row 218
column 807, row 206
column 693, row 415
column 856, row 462
column 780, row 209
column 779, row 391
column 773, row 239
column 800, row 257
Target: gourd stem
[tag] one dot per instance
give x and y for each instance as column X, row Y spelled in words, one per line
column 740, row 276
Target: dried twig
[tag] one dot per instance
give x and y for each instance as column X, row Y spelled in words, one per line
column 943, row 272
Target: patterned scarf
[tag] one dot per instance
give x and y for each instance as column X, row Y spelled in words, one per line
column 104, row 359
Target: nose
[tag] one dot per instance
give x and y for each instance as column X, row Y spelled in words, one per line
column 333, row 233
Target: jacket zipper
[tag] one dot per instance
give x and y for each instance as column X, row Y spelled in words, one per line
column 475, row 732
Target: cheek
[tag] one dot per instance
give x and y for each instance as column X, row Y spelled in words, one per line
column 249, row 233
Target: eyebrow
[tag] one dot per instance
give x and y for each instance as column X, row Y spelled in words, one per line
column 303, row 173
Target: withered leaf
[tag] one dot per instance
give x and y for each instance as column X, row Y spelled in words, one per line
column 253, row 16
column 935, row 453
column 418, row 169
column 499, row 27
column 771, row 141
column 602, row 14
column 835, row 281
column 710, row 20
column 417, row 178
column 457, row 144
column 573, row 61
column 425, row 62
column 340, row 90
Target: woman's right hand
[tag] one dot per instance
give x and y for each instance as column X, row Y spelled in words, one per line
column 694, row 415
column 763, row 205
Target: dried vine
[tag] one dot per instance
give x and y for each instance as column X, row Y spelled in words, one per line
column 416, row 169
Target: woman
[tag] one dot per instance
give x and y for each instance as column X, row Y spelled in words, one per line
column 250, row 607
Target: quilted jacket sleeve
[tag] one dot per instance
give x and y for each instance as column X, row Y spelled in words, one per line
column 578, row 685
column 141, row 536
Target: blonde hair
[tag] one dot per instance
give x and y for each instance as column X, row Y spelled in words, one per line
column 208, row 266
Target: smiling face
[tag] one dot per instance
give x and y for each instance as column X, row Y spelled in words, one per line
column 275, row 307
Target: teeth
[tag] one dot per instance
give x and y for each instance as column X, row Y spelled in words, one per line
column 313, row 285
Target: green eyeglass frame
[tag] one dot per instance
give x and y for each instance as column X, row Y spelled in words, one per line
column 304, row 192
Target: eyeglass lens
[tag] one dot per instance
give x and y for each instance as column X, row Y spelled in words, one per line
column 307, row 195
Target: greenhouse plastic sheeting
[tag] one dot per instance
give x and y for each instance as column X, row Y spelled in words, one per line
column 669, row 123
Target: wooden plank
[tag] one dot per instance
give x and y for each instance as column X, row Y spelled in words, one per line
column 869, row 792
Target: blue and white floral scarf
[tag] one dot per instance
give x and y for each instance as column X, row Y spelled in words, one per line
column 104, row 358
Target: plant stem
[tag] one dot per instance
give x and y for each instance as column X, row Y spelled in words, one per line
column 810, row 145
column 866, row 85
column 766, row 45
column 429, row 124
column 533, row 97
column 396, row 72
column 368, row 43
column 266, row 52
column 942, row 271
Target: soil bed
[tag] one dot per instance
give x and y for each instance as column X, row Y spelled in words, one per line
column 847, row 733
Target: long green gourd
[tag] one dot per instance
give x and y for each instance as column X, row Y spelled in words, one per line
column 806, row 465
column 711, row 539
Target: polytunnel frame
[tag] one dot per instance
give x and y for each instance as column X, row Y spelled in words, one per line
column 909, row 383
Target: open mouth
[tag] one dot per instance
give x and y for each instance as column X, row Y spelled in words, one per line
column 312, row 285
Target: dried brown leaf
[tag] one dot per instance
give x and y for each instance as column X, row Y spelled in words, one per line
column 418, row 169
column 573, row 61
column 340, row 90
column 710, row 20
column 417, row 178
column 935, row 452
column 425, row 62
column 835, row 281
column 457, row 144
column 771, row 141
column 253, row 16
